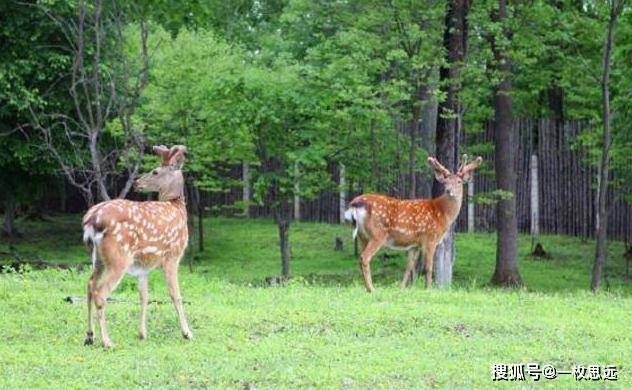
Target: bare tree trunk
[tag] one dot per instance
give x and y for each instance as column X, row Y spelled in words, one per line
column 282, row 217
column 8, row 226
column 246, row 191
column 535, row 201
column 454, row 41
column 507, row 271
column 616, row 6
column 342, row 198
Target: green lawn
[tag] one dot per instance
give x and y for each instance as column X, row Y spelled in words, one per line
column 320, row 330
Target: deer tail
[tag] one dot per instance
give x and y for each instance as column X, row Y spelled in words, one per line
column 355, row 214
column 93, row 234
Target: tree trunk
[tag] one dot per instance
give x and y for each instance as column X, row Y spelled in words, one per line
column 342, row 198
column 246, row 184
column 63, row 197
column 412, row 152
column 297, row 193
column 470, row 206
column 616, row 7
column 190, row 226
column 428, row 134
column 8, row 227
column 534, row 201
column 454, row 41
column 282, row 217
column 200, row 214
column 507, row 272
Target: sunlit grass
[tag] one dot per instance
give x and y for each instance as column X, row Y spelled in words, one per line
column 320, row 330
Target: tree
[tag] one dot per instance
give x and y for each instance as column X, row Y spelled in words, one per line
column 32, row 66
column 506, row 272
column 615, row 9
column 455, row 46
column 103, row 86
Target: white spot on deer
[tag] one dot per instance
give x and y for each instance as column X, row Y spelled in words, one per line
column 150, row 249
column 119, row 238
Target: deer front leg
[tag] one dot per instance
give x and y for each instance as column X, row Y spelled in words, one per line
column 110, row 280
column 171, row 274
column 143, row 295
column 94, row 278
column 365, row 262
column 410, row 267
column 429, row 251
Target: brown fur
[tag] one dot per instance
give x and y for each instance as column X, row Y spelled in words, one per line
column 410, row 225
column 135, row 237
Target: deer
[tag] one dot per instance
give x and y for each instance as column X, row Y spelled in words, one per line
column 409, row 225
column 135, row 237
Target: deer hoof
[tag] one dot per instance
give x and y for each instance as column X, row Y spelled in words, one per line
column 142, row 336
column 187, row 335
column 89, row 339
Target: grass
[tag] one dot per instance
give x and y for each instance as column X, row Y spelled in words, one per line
column 321, row 329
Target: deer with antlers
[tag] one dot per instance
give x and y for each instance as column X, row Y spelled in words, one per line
column 410, row 225
column 135, row 237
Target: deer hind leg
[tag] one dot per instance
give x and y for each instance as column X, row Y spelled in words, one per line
column 143, row 295
column 112, row 277
column 171, row 274
column 94, row 278
column 429, row 251
column 365, row 262
column 409, row 278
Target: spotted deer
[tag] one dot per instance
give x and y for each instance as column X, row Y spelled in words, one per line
column 409, row 225
column 135, row 237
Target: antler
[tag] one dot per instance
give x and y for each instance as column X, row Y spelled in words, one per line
column 163, row 152
column 466, row 169
column 176, row 156
column 439, row 169
column 171, row 157
column 463, row 162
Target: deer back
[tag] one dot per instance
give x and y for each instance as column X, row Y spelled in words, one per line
column 147, row 231
column 402, row 223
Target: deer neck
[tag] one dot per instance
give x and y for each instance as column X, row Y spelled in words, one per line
column 168, row 197
column 449, row 205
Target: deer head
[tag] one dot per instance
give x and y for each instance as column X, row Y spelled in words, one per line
column 166, row 179
column 453, row 182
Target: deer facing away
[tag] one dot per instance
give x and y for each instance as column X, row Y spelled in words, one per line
column 135, row 237
column 410, row 225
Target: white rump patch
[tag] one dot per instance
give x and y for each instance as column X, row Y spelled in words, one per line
column 358, row 215
column 91, row 235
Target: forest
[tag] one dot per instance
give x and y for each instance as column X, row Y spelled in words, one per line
column 288, row 110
